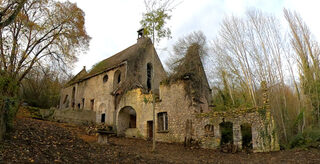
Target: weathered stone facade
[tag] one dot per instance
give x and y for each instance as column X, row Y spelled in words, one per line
column 120, row 95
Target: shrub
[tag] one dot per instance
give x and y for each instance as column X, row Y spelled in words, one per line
column 309, row 138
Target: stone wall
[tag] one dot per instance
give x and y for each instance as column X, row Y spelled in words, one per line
column 263, row 133
column 187, row 121
column 95, row 89
column 74, row 116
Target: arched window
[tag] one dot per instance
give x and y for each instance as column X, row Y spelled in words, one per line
column 105, row 78
column 117, row 78
column 149, row 76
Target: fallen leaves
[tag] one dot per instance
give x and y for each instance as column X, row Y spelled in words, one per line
column 36, row 141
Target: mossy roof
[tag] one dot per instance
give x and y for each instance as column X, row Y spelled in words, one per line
column 112, row 62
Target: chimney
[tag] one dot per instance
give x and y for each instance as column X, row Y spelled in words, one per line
column 84, row 68
column 140, row 33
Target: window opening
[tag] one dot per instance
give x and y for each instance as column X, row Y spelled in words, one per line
column 162, row 121
column 105, row 78
column 92, row 104
column 103, row 118
column 149, row 76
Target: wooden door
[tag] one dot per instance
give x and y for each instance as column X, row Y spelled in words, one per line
column 150, row 129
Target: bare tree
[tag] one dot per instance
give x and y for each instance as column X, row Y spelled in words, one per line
column 308, row 56
column 44, row 31
column 9, row 11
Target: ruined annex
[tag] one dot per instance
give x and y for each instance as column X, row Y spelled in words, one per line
column 118, row 91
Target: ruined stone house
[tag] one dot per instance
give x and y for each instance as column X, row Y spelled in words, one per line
column 117, row 92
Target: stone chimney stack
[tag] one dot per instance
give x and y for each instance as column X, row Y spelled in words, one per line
column 140, row 33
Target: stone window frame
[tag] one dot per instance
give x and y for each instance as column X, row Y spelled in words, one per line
column 162, row 118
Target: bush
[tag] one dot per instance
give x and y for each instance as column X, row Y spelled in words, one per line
column 309, row 138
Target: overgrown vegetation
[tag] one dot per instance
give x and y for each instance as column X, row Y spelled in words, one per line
column 256, row 48
column 310, row 138
column 187, row 65
column 41, row 88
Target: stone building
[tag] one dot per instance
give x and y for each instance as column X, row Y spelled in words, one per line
column 117, row 92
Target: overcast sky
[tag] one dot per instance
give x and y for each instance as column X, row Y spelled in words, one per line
column 112, row 24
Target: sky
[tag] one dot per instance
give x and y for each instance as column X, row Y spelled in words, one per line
column 112, row 24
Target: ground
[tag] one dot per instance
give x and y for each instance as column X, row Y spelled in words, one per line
column 48, row 142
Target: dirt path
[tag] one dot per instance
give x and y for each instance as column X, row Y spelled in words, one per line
column 48, row 142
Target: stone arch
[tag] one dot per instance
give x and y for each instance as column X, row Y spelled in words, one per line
column 127, row 118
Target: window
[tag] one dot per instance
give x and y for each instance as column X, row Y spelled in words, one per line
column 162, row 121
column 92, row 104
column 119, row 77
column 103, row 117
column 73, row 96
column 116, row 78
column 149, row 76
column 79, row 106
column 105, row 78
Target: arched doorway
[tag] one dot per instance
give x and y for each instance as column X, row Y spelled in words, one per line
column 127, row 118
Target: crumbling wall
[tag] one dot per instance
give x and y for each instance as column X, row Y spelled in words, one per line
column 264, row 136
column 181, row 113
column 187, row 122
column 74, row 116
